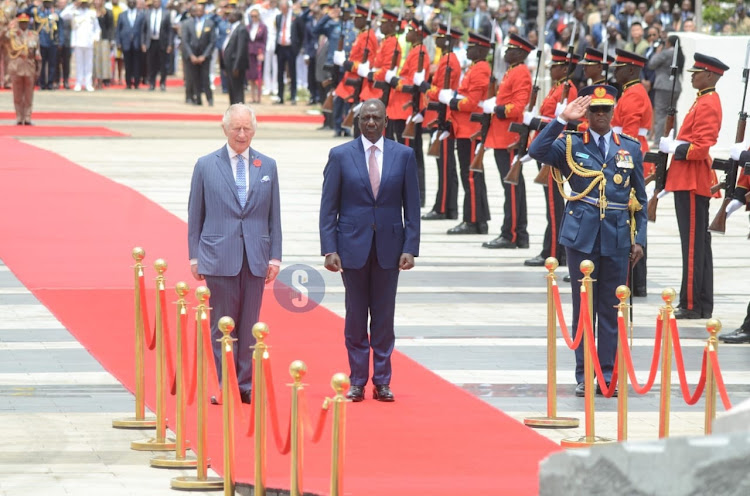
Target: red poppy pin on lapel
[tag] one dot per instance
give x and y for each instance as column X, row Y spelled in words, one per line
column 256, row 162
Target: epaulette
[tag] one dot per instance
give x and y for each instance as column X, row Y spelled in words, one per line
column 631, row 138
column 571, row 131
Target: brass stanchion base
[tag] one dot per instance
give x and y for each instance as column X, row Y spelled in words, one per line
column 152, row 444
column 209, row 483
column 170, row 461
column 551, row 422
column 585, row 441
column 134, row 423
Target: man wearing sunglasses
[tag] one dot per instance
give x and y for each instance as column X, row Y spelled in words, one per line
column 603, row 167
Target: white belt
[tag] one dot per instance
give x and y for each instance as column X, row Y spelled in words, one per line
column 642, row 131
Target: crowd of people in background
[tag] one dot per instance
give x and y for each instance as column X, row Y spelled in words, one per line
column 290, row 45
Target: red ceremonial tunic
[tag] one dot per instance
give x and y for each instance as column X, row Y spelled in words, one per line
column 700, row 129
column 398, row 97
column 633, row 116
column 438, row 80
column 473, row 88
column 381, row 63
column 366, row 37
column 513, row 93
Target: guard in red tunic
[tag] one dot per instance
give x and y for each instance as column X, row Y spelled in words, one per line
column 634, row 117
column 513, row 95
column 405, row 90
column 471, row 92
column 446, row 200
column 551, row 106
column 381, row 61
column 593, row 66
column 690, row 178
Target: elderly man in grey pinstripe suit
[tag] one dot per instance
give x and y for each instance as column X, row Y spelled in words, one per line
column 234, row 234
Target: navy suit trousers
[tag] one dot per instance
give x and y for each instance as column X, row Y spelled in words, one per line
column 370, row 290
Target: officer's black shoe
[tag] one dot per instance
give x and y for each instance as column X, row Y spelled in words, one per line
column 432, row 215
column 523, row 244
column 722, row 337
column 499, row 242
column 566, row 278
column 580, row 390
column 737, row 337
column 467, row 228
column 684, row 313
column 599, row 391
column 537, row 261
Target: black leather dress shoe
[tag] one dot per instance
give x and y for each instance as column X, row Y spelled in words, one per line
column 737, row 338
column 522, row 244
column 432, row 215
column 684, row 313
column 537, row 261
column 247, row 396
column 722, row 337
column 580, row 390
column 356, row 394
column 599, row 391
column 499, row 242
column 214, row 400
column 466, row 228
column 383, row 393
column 566, row 278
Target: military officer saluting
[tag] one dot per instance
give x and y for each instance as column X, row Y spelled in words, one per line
column 603, row 168
column 24, row 65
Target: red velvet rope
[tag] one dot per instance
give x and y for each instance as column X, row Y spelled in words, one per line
column 320, row 425
column 170, row 378
column 690, row 400
column 209, row 364
column 149, row 333
column 719, row 380
column 274, row 412
column 622, row 336
column 608, row 392
column 572, row 344
column 188, row 359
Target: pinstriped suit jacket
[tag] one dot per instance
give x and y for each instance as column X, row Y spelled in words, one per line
column 219, row 229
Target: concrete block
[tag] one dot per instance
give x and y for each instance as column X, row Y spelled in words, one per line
column 737, row 419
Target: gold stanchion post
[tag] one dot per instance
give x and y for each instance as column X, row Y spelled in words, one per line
column 713, row 326
column 551, row 421
column 340, row 384
column 226, row 325
column 139, row 421
column 623, row 293
column 665, row 392
column 160, row 442
column 587, row 268
column 260, row 353
column 180, row 458
column 200, row 481
column 297, row 370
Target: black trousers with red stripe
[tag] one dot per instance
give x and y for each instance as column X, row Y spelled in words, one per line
column 515, row 222
column 394, row 130
column 555, row 205
column 446, row 200
column 697, row 289
column 476, row 207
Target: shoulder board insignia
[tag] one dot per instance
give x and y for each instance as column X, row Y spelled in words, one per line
column 570, row 131
column 631, row 138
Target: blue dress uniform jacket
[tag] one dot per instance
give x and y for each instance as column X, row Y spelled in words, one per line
column 594, row 229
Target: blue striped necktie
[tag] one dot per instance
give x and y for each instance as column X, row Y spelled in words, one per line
column 240, row 181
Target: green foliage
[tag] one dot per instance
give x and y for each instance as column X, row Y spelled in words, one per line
column 714, row 14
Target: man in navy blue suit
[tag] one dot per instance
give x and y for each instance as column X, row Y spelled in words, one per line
column 129, row 37
column 604, row 168
column 369, row 185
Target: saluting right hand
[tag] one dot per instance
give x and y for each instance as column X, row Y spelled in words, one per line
column 576, row 109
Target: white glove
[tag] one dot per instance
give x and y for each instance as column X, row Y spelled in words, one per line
column 528, row 116
column 560, row 107
column 617, row 129
column 662, row 194
column 389, row 75
column 736, row 149
column 525, row 158
column 445, row 96
column 364, row 69
column 488, row 106
column 339, row 57
column 444, row 135
column 433, row 137
column 419, row 78
column 479, row 147
column 357, row 107
column 650, row 190
column 733, row 205
column 417, row 119
column 666, row 143
column 408, row 120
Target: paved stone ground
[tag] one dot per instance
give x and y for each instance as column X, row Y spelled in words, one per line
column 474, row 316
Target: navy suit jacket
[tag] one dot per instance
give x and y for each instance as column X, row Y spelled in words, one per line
column 130, row 37
column 582, row 224
column 350, row 215
column 219, row 228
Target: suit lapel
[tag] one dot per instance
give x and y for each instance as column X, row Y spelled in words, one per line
column 225, row 169
column 387, row 161
column 360, row 162
column 254, row 173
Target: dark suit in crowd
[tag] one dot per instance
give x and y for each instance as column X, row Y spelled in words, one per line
column 198, row 41
column 236, row 61
column 129, row 39
column 290, row 34
column 158, row 38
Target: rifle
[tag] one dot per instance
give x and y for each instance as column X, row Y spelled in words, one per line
column 660, row 159
column 410, row 131
column 730, row 167
column 543, row 176
column 357, row 82
column 477, row 165
column 441, row 109
column 523, row 130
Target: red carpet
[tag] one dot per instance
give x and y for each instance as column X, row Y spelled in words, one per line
column 62, row 131
column 145, row 116
column 436, row 439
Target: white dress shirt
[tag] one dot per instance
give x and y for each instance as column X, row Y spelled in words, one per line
column 155, row 23
column 378, row 153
